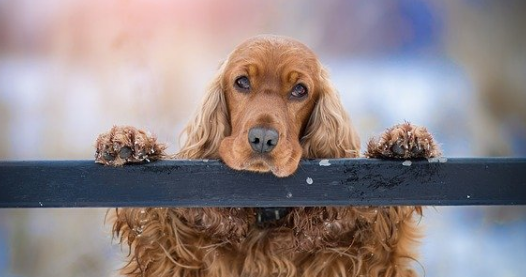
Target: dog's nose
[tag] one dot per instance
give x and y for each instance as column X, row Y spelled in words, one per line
column 263, row 140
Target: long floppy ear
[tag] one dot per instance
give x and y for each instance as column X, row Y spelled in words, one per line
column 210, row 124
column 329, row 132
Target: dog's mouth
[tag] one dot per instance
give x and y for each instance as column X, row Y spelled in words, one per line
column 281, row 161
column 271, row 216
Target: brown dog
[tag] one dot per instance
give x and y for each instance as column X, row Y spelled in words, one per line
column 270, row 105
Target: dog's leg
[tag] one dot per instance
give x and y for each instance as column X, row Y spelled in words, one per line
column 125, row 144
column 403, row 141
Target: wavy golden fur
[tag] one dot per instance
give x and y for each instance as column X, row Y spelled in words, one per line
column 308, row 241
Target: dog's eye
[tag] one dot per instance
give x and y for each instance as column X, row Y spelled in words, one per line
column 242, row 83
column 299, row 91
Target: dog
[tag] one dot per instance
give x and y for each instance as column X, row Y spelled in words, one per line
column 270, row 105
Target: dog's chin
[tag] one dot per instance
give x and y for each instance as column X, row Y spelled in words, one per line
column 259, row 166
column 263, row 165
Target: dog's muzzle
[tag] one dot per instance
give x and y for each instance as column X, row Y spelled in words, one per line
column 270, row 216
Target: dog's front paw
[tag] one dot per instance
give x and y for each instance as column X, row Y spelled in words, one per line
column 403, row 141
column 125, row 144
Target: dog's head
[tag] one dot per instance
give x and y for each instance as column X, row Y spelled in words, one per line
column 270, row 104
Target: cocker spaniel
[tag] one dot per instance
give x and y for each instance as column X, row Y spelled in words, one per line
column 270, row 105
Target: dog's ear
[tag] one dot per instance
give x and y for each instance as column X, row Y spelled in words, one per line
column 210, row 124
column 329, row 132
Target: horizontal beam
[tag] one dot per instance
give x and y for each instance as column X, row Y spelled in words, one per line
column 494, row 181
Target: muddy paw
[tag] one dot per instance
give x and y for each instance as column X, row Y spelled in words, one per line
column 403, row 141
column 125, row 144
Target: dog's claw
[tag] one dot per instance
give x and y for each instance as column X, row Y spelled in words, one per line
column 397, row 148
column 125, row 152
column 417, row 149
column 108, row 157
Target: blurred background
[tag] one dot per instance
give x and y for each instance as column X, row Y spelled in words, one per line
column 70, row 69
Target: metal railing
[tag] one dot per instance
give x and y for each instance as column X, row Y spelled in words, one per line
column 454, row 181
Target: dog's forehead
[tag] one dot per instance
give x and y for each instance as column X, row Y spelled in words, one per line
column 273, row 42
column 273, row 49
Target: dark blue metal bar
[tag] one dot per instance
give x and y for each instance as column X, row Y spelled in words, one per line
column 482, row 181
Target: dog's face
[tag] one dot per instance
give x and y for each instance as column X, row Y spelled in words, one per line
column 270, row 104
column 270, row 88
